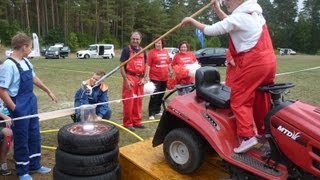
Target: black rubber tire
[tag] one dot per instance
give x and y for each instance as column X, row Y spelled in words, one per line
column 89, row 165
column 193, row 145
column 88, row 144
column 113, row 175
column 86, row 56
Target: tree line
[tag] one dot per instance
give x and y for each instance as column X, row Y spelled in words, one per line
column 79, row 23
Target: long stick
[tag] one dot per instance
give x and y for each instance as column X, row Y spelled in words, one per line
column 148, row 46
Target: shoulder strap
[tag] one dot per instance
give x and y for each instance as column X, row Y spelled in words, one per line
column 16, row 63
column 27, row 63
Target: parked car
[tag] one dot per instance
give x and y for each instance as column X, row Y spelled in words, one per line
column 64, row 51
column 97, row 51
column 287, row 51
column 57, row 51
column 43, row 50
column 172, row 51
column 211, row 56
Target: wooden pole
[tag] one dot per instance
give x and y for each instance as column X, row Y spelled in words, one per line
column 152, row 43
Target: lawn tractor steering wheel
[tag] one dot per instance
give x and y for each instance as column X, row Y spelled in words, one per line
column 276, row 91
column 276, row 88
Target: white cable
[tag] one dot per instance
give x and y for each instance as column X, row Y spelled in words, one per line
column 119, row 100
column 74, row 108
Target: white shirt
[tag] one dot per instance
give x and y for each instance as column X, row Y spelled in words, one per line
column 244, row 26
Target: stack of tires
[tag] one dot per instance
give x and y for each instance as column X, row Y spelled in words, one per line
column 90, row 155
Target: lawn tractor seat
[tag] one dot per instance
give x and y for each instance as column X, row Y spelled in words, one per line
column 209, row 88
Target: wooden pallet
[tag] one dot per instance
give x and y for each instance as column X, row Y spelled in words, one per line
column 140, row 161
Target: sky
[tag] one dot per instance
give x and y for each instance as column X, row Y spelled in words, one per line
column 300, row 4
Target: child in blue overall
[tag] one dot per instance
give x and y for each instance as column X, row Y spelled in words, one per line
column 16, row 90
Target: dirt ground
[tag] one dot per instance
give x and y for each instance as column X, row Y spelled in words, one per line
column 47, row 157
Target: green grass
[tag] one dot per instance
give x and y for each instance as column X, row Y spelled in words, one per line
column 64, row 77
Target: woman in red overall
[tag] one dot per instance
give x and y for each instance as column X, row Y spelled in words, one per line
column 254, row 64
column 133, row 81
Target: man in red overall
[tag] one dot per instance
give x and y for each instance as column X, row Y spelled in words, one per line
column 253, row 64
column 132, row 88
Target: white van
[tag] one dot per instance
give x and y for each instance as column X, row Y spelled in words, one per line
column 97, row 51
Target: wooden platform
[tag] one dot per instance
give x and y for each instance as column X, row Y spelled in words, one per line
column 142, row 161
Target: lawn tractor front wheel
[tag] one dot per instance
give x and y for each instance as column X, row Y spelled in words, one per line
column 183, row 148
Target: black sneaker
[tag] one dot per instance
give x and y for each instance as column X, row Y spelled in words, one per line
column 140, row 126
column 130, row 128
column 5, row 172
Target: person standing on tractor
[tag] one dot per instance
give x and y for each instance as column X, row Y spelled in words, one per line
column 158, row 70
column 133, row 81
column 17, row 78
column 254, row 64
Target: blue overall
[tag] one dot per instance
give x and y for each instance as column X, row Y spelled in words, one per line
column 26, row 134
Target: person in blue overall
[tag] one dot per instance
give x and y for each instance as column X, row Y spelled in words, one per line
column 16, row 90
column 97, row 94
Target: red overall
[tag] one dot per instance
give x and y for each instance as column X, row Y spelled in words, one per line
column 229, row 68
column 132, row 107
column 254, row 68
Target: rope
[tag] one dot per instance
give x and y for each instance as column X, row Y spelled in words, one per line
column 74, row 108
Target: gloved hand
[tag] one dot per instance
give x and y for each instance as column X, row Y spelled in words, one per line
column 86, row 87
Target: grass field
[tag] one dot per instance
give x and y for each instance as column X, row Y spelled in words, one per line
column 64, row 77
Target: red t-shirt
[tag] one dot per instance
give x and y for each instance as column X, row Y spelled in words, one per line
column 184, row 58
column 159, row 61
column 178, row 64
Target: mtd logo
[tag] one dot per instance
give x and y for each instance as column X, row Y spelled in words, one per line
column 293, row 135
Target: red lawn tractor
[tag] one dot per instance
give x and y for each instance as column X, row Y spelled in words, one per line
column 290, row 149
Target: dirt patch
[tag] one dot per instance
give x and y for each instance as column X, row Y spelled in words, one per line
column 48, row 159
